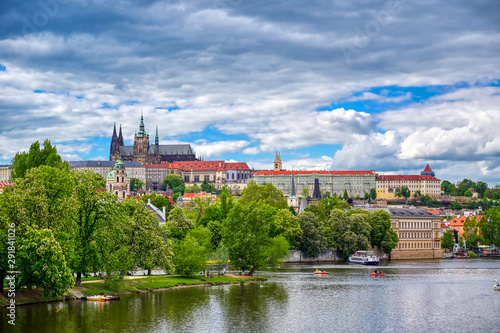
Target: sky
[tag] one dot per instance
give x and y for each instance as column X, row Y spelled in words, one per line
column 332, row 85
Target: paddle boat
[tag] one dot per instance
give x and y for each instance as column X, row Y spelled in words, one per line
column 496, row 286
column 101, row 298
column 377, row 273
column 320, row 272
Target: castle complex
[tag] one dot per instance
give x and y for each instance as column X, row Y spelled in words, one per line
column 144, row 152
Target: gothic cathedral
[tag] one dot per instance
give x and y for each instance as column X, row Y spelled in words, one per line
column 144, row 152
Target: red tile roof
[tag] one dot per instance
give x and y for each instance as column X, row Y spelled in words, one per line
column 459, row 221
column 237, row 166
column 405, row 177
column 295, row 173
column 197, row 165
column 196, row 195
column 428, row 169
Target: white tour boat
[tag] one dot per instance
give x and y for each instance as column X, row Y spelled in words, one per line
column 364, row 258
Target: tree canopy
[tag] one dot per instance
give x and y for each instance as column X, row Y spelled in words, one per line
column 35, row 157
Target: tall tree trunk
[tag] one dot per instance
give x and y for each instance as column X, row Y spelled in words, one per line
column 252, row 270
column 149, row 271
column 78, row 280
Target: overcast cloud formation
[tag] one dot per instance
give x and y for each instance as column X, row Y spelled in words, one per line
column 338, row 85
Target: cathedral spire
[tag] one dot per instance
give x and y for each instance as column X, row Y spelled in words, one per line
column 114, row 131
column 120, row 137
column 157, row 140
column 142, row 133
column 292, row 190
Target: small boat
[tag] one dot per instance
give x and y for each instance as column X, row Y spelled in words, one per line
column 320, row 272
column 378, row 274
column 496, row 286
column 364, row 258
column 100, row 298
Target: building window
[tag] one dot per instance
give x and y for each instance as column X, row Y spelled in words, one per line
column 207, row 178
column 186, row 179
column 196, row 179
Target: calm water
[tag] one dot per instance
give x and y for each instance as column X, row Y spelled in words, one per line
column 423, row 296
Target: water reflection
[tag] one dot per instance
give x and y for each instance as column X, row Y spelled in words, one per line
column 413, row 296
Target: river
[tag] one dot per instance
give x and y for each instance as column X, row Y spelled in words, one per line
column 454, row 295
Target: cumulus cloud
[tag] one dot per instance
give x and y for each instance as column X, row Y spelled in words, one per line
column 256, row 72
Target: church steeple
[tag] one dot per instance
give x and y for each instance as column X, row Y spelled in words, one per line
column 142, row 133
column 114, row 145
column 157, row 140
column 120, row 137
column 292, row 190
column 277, row 162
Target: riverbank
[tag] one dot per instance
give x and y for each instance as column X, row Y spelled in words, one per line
column 139, row 284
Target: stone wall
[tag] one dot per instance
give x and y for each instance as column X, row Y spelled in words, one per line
column 417, row 254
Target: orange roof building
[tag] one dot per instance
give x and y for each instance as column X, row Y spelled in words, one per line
column 458, row 223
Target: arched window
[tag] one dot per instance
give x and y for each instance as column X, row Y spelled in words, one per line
column 117, row 179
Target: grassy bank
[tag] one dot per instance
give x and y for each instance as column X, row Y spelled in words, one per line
column 132, row 284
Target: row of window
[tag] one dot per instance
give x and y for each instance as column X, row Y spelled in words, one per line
column 409, row 235
column 415, row 225
column 417, row 245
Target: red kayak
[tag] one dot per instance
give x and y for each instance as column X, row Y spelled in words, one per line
column 377, row 274
column 322, row 272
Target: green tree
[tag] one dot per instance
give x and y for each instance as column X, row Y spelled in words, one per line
column 147, row 241
column 175, row 183
column 193, row 189
column 312, row 239
column 42, row 264
column 24, row 161
column 455, row 204
column 246, row 235
column 288, row 225
column 468, row 193
column 373, row 194
column 90, row 214
column 496, row 195
column 305, row 192
column 447, row 241
column 220, row 256
column 480, row 187
column 489, row 225
column 346, row 195
column 226, row 203
column 403, row 192
column 189, row 256
column 350, row 233
column 266, row 194
column 390, row 241
column 179, row 223
column 206, row 187
column 136, row 184
column 380, row 222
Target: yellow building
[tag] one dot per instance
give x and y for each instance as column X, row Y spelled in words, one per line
column 425, row 183
column 5, row 172
column 419, row 234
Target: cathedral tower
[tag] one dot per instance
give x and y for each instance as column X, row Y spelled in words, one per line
column 141, row 144
column 115, row 145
